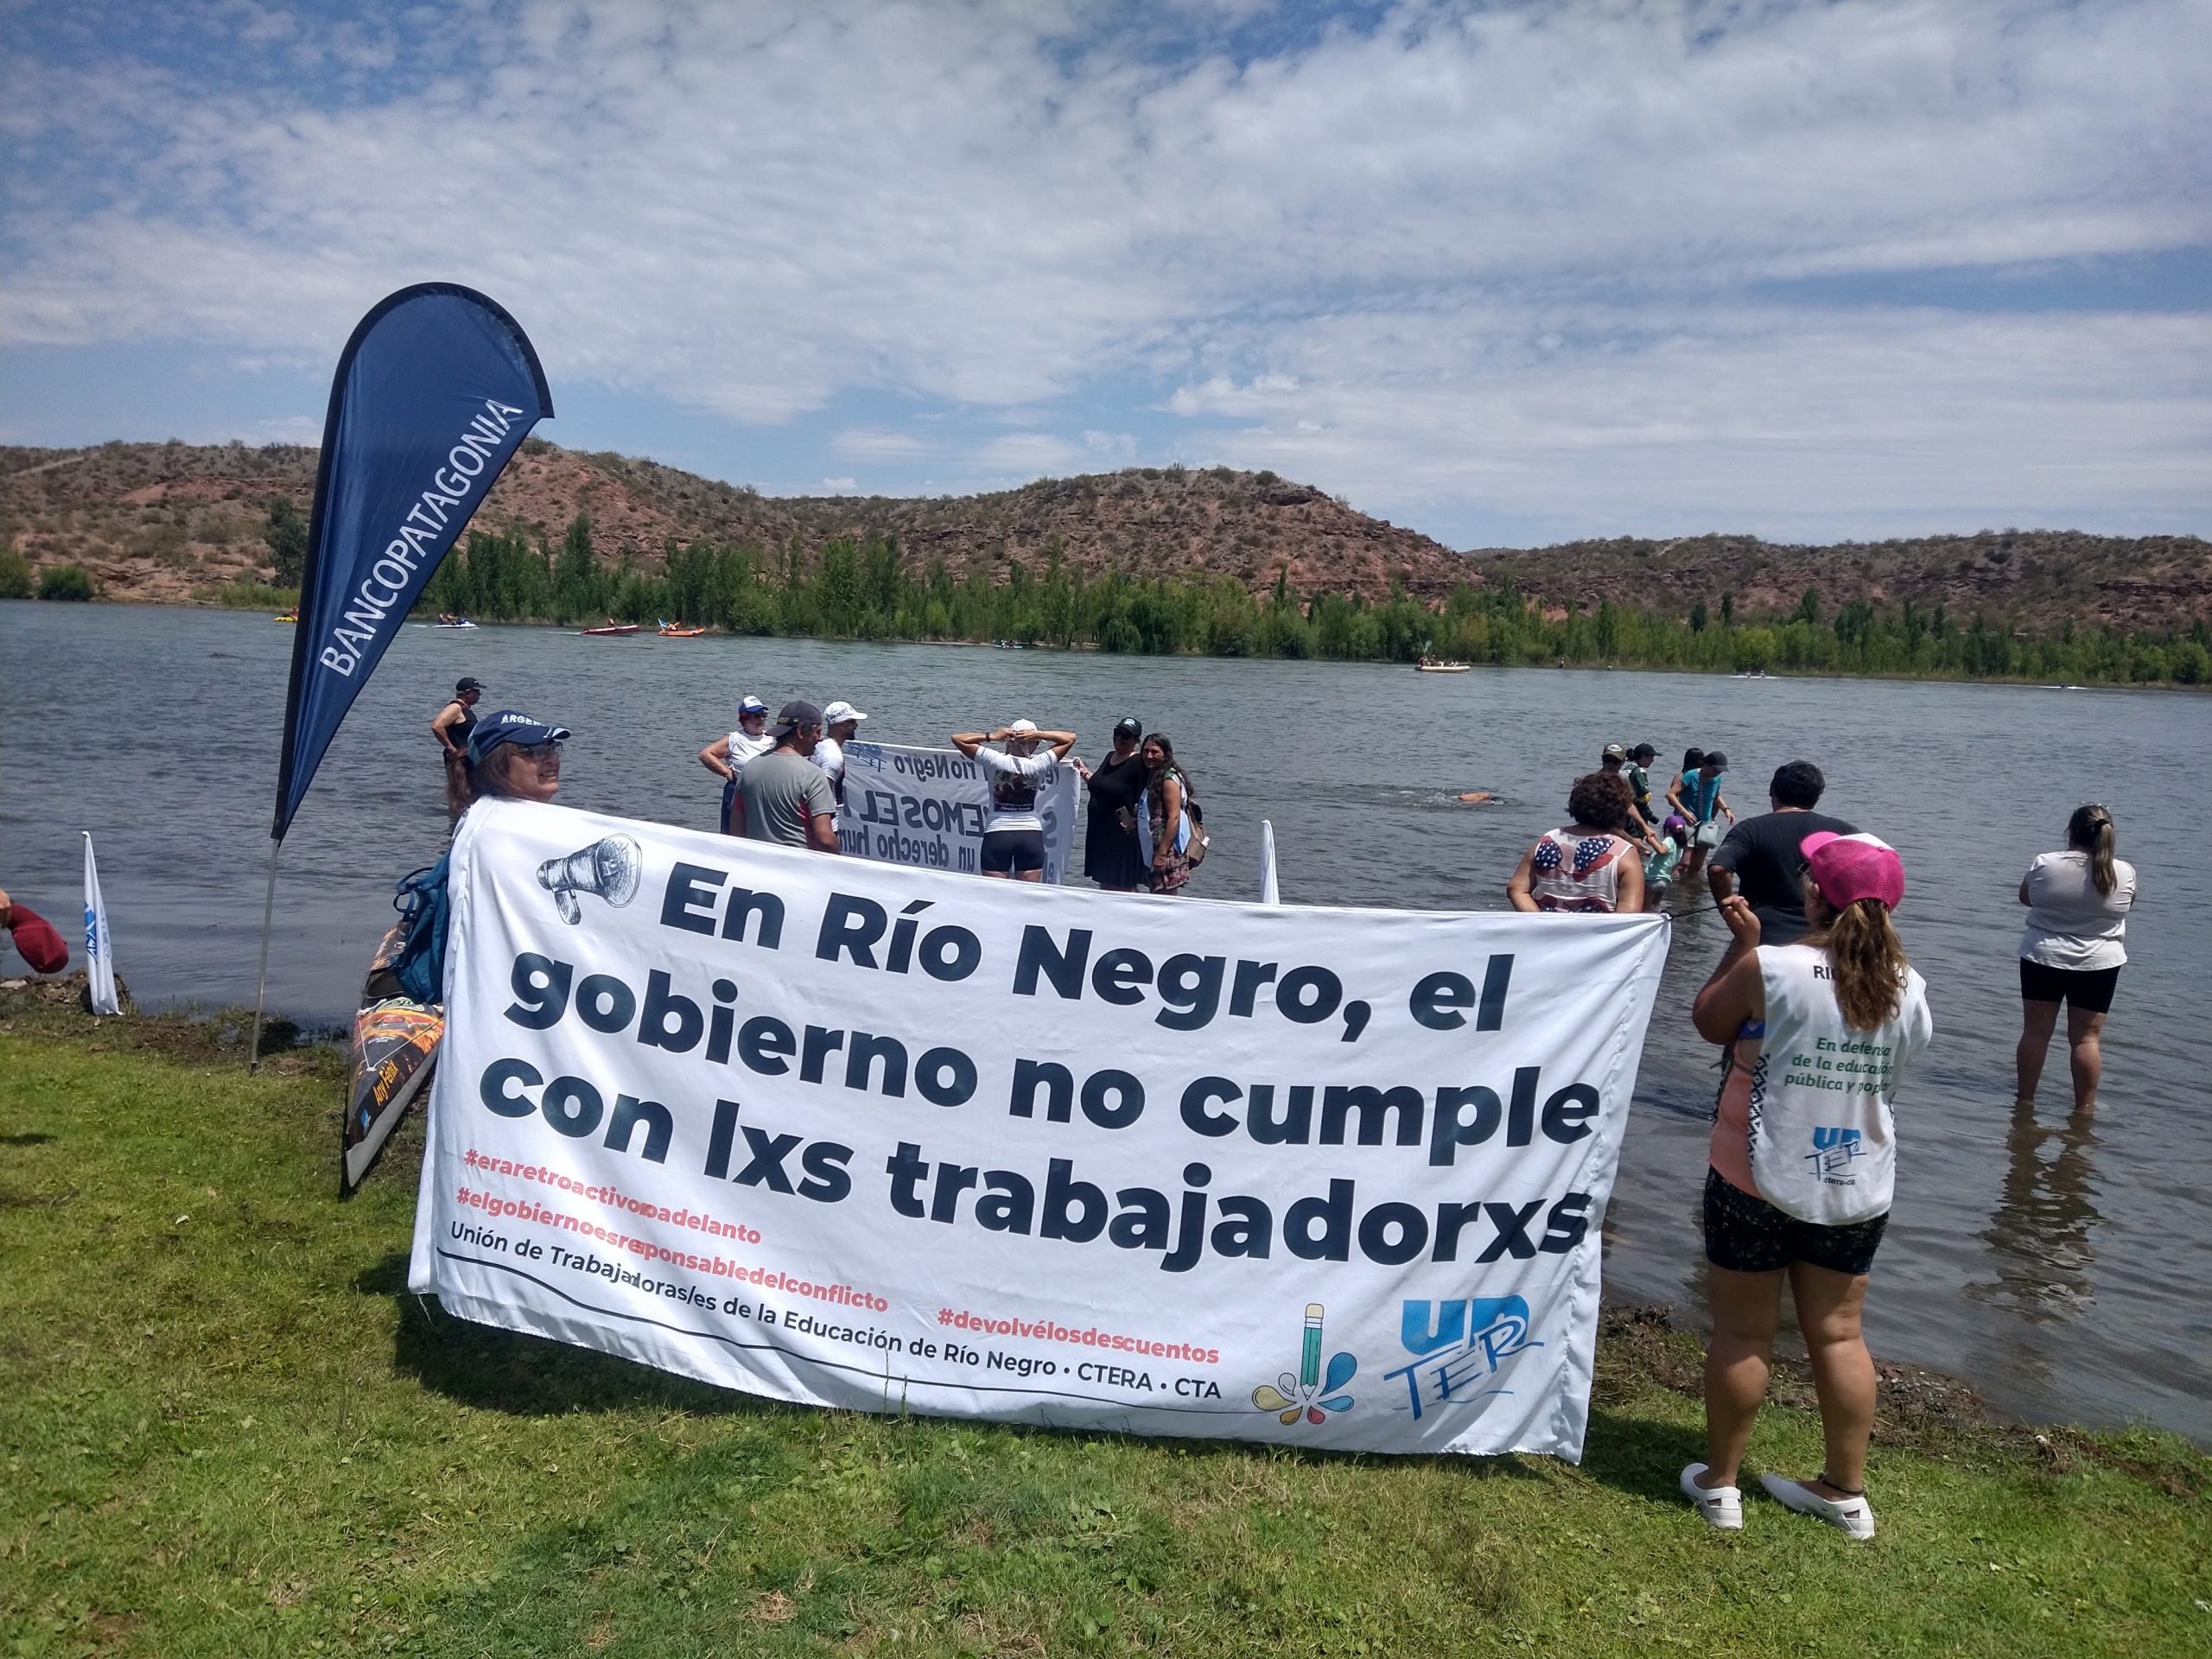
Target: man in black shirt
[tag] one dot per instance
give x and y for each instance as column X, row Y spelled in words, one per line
column 1761, row 852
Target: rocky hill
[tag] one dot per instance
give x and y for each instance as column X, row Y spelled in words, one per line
column 175, row 522
column 172, row 521
column 2036, row 581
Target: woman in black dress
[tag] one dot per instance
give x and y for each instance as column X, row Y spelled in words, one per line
column 1111, row 856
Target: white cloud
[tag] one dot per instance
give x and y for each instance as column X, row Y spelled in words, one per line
column 835, row 484
column 876, row 443
column 1785, row 422
column 1021, row 456
column 291, row 428
column 1474, row 255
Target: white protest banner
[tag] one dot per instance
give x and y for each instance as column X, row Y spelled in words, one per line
column 927, row 807
column 854, row 1134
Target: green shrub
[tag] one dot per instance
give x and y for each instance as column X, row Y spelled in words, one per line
column 256, row 596
column 67, row 581
column 15, row 575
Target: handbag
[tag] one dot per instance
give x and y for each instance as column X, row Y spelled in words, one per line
column 1195, row 851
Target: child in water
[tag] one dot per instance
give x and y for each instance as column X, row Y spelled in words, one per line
column 1659, row 866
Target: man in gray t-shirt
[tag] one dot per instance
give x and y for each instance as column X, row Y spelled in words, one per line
column 787, row 798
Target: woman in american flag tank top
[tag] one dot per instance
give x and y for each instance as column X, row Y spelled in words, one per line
column 1589, row 867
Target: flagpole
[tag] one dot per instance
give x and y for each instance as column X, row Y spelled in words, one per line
column 261, row 979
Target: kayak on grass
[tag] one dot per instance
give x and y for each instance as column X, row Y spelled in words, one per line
column 393, row 1051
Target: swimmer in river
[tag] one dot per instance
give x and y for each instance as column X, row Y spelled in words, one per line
column 1477, row 796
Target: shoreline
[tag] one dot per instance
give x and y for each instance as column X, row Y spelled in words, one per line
column 1091, row 649
column 1911, row 1397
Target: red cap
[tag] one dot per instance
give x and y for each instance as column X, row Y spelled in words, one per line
column 1846, row 868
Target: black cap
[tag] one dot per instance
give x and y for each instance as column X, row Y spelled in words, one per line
column 1714, row 757
column 467, row 683
column 796, row 714
column 1130, row 724
column 1642, row 752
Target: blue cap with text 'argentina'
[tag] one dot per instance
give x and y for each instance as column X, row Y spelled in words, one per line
column 510, row 725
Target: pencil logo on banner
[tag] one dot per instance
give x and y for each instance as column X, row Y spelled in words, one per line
column 1310, row 1394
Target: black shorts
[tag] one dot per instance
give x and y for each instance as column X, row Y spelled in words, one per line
column 1010, row 852
column 1748, row 1235
column 2086, row 990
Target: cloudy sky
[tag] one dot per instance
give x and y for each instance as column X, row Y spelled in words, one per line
column 1504, row 272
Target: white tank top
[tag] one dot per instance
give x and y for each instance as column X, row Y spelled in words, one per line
column 1823, row 1144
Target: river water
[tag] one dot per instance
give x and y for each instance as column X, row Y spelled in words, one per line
column 2064, row 1267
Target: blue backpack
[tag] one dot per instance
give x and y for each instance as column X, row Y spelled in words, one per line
column 420, row 967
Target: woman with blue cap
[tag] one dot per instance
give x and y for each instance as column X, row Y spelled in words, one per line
column 726, row 756
column 515, row 757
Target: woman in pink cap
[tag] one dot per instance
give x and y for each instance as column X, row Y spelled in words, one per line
column 1804, row 1157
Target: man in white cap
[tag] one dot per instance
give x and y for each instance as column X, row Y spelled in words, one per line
column 1014, row 833
column 839, row 722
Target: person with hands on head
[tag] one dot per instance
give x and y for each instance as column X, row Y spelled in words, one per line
column 1803, row 1162
column 1111, row 854
column 1023, row 760
column 34, row 937
column 786, row 797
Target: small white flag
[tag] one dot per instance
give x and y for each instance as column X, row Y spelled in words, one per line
column 99, row 948
column 1269, row 892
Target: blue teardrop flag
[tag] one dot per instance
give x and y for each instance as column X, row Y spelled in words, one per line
column 435, row 390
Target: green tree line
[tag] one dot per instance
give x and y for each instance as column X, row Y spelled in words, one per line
column 861, row 589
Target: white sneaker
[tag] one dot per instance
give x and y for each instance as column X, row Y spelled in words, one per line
column 1722, row 1506
column 1852, row 1516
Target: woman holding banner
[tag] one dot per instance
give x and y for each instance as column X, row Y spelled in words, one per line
column 1799, row 1188
column 515, row 757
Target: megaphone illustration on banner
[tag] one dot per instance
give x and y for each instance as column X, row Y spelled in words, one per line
column 609, row 867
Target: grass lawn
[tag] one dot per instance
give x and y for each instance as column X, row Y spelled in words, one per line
column 225, row 1428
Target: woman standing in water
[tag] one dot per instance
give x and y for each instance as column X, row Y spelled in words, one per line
column 2072, row 951
column 1589, row 867
column 451, row 726
column 1803, row 1161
